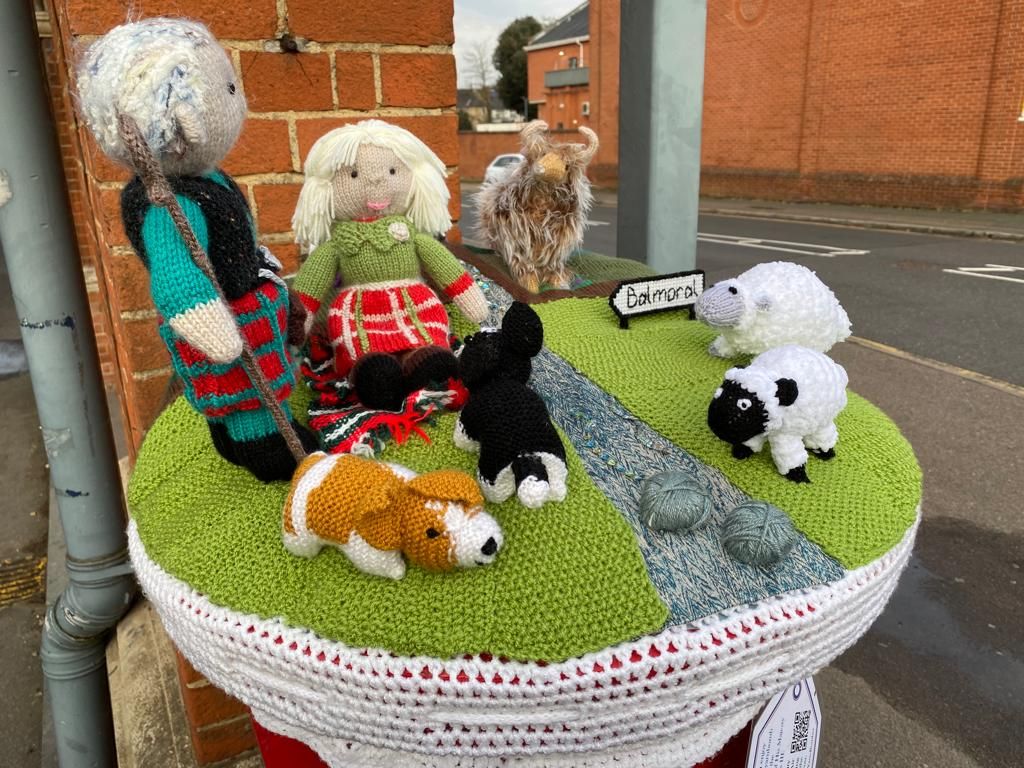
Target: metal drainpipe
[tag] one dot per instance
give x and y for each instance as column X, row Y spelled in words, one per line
column 50, row 299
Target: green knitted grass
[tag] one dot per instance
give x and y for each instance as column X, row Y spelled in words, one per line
column 569, row 580
column 857, row 507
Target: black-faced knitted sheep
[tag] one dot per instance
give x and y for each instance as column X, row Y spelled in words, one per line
column 770, row 305
column 788, row 396
column 520, row 451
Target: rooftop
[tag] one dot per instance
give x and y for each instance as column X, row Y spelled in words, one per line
column 574, row 24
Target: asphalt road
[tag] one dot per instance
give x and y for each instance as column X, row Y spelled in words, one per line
column 893, row 285
column 938, row 681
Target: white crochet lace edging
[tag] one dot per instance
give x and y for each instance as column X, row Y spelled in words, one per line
column 657, row 688
column 690, row 746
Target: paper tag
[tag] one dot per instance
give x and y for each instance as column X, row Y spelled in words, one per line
column 787, row 733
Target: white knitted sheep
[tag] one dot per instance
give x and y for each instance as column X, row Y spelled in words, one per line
column 770, row 305
column 789, row 396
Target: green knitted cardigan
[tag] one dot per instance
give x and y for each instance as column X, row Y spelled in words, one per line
column 380, row 251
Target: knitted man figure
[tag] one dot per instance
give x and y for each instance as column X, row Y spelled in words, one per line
column 373, row 199
column 173, row 78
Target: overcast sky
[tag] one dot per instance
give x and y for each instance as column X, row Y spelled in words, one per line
column 481, row 21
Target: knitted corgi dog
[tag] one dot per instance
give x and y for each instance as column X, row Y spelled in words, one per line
column 373, row 200
column 374, row 512
column 504, row 419
column 174, row 80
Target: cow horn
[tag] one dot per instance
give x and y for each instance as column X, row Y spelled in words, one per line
column 533, row 139
column 592, row 144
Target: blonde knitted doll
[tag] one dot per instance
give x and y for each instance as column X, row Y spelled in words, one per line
column 373, row 200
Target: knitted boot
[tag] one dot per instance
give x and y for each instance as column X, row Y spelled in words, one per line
column 267, row 457
column 222, row 441
column 378, row 382
column 428, row 365
column 250, row 439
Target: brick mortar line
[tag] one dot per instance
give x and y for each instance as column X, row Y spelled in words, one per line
column 270, row 179
column 378, row 82
column 152, row 373
column 282, row 16
column 135, row 315
column 210, row 726
column 273, row 45
column 334, row 81
column 379, row 111
column 293, row 145
column 312, row 47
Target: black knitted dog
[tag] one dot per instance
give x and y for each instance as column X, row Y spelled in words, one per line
column 520, row 451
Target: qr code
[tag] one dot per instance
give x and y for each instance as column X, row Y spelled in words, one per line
column 801, row 721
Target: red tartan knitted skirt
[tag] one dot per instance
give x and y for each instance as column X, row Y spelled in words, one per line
column 390, row 318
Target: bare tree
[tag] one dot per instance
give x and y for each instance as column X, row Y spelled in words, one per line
column 481, row 75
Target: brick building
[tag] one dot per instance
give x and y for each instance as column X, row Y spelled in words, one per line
column 557, row 71
column 573, row 79
column 866, row 101
column 383, row 58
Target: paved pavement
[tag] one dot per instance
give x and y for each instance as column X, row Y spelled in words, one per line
column 24, row 515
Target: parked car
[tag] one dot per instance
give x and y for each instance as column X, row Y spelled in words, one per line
column 502, row 166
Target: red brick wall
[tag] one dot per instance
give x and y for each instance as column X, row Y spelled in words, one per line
column 476, row 150
column 361, row 58
column 867, row 101
column 387, row 58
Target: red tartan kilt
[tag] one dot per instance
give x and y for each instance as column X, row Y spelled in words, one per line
column 386, row 324
column 218, row 389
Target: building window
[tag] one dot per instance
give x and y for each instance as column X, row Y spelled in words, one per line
column 573, row 62
column 586, row 107
column 560, row 127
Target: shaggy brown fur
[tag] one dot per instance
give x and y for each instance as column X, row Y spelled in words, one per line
column 535, row 217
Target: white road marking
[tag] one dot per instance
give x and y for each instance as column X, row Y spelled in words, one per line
column 987, row 271
column 785, row 246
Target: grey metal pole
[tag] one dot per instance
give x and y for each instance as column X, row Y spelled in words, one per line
column 661, row 87
column 50, row 300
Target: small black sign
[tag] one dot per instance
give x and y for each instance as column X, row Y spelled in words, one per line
column 645, row 295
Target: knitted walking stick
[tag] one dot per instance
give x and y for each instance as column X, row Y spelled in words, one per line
column 161, row 194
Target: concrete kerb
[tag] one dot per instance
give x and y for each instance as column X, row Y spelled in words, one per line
column 899, row 226
column 888, row 221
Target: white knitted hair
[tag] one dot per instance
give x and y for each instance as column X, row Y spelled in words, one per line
column 153, row 71
column 427, row 205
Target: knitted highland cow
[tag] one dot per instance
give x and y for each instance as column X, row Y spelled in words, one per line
column 536, row 215
column 373, row 200
column 174, row 80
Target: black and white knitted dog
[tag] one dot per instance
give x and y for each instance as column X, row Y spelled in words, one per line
column 520, row 451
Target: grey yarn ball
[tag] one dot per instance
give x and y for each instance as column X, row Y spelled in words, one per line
column 675, row 501
column 757, row 533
